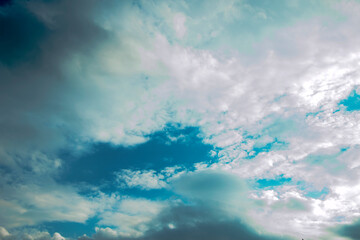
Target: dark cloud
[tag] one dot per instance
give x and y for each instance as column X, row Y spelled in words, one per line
column 48, row 30
column 206, row 217
column 37, row 117
column 24, row 33
column 194, row 223
column 40, row 37
column 351, row 231
column 209, row 184
column 211, row 231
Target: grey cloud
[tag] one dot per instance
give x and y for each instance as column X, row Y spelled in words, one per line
column 23, row 32
column 55, row 82
column 45, row 94
column 208, row 183
column 218, row 189
column 194, row 222
column 217, row 212
column 30, row 204
column 351, row 231
column 34, row 100
column 197, row 223
column 35, row 91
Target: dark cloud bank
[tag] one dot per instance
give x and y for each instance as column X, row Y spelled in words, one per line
column 351, row 231
column 205, row 218
column 35, row 95
column 194, row 223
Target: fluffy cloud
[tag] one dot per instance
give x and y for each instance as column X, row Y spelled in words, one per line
column 131, row 217
column 217, row 210
column 31, row 204
column 29, row 235
column 148, row 179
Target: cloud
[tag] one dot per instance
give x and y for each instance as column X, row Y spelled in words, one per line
column 114, row 73
column 33, row 80
column 148, row 179
column 212, row 197
column 131, row 217
column 30, row 204
column 154, row 100
column 203, row 223
column 217, row 211
column 208, row 186
column 31, row 234
column 349, row 230
column 179, row 25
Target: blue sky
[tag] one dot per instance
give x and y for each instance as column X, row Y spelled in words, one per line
column 183, row 119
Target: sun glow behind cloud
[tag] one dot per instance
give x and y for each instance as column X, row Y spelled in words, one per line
column 179, row 119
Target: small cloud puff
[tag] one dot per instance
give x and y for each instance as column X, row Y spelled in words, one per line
column 31, row 234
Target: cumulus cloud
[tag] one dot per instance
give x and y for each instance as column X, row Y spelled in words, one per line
column 31, row 234
column 217, row 211
column 148, row 179
column 203, row 223
column 38, row 203
column 130, row 218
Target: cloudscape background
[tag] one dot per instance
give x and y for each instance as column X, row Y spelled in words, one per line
column 180, row 119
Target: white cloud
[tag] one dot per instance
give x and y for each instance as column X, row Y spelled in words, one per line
column 145, row 179
column 131, row 217
column 30, row 234
column 148, row 179
column 106, row 233
column 3, row 233
column 32, row 204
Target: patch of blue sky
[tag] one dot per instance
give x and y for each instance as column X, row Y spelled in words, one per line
column 153, row 194
column 352, row 102
column 270, row 183
column 71, row 230
column 267, row 183
column 307, row 189
column 310, row 191
column 170, row 147
column 317, row 194
column 280, row 97
column 339, row 219
column 275, row 145
column 271, row 146
column 313, row 114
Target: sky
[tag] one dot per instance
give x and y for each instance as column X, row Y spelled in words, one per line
column 181, row 120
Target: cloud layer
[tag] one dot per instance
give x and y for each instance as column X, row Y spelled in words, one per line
column 267, row 87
